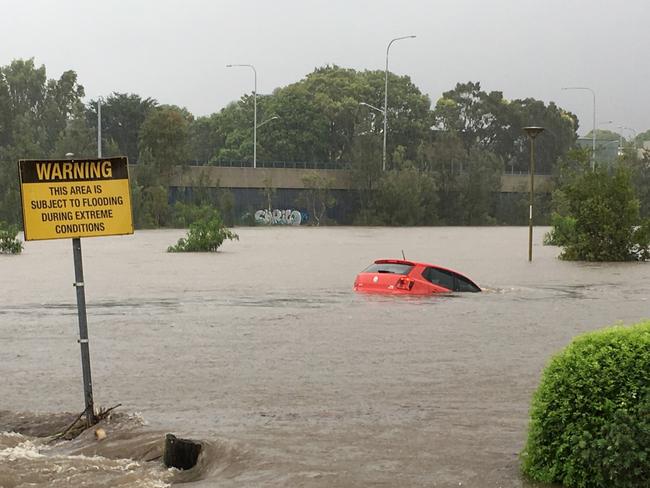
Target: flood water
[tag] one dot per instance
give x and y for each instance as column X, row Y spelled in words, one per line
column 264, row 353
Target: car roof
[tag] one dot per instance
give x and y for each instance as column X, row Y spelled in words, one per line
column 415, row 263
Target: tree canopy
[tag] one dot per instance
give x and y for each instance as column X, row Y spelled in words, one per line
column 453, row 153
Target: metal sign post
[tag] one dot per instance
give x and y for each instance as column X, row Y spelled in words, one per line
column 83, row 330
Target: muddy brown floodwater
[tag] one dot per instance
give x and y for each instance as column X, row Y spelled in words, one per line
column 265, row 353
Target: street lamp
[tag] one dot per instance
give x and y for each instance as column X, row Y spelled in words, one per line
column 267, row 121
column 386, row 97
column 381, row 111
column 254, row 109
column 532, row 132
column 593, row 130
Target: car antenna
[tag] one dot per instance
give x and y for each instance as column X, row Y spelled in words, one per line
column 403, row 257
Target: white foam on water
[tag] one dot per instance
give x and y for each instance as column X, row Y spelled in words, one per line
column 24, row 450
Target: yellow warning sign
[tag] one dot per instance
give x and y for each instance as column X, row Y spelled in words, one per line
column 75, row 198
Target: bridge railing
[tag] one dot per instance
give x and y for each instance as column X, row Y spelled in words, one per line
column 272, row 164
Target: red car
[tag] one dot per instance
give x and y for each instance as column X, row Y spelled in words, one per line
column 401, row 277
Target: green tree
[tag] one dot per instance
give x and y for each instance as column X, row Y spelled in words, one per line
column 605, row 215
column 446, row 159
column 320, row 117
column 34, row 111
column 203, row 140
column 317, row 196
column 149, row 197
column 491, row 122
column 639, row 168
column 403, row 197
column 164, row 139
column 233, row 132
column 477, row 186
column 122, row 117
column 77, row 138
column 604, row 135
column 467, row 182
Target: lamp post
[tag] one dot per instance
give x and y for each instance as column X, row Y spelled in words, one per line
column 386, row 97
column 254, row 109
column 593, row 130
column 99, row 127
column 532, row 132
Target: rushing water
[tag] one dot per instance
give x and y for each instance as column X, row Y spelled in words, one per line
column 264, row 353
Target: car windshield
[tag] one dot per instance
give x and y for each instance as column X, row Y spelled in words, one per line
column 393, row 268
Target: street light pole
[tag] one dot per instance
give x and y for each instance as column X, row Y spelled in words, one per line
column 386, row 97
column 532, row 132
column 593, row 130
column 99, row 127
column 254, row 109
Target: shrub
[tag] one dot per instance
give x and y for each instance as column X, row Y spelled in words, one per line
column 601, row 220
column 563, row 231
column 590, row 416
column 9, row 244
column 205, row 235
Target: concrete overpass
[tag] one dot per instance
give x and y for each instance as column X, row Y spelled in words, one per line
column 292, row 178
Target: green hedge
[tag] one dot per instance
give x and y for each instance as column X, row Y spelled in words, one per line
column 590, row 417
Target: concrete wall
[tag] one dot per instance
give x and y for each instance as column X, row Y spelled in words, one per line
column 215, row 176
column 512, row 183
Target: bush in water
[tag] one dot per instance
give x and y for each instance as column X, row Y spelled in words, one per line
column 563, row 231
column 600, row 220
column 9, row 244
column 590, row 416
column 205, row 235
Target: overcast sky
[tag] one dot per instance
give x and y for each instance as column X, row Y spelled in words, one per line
column 176, row 51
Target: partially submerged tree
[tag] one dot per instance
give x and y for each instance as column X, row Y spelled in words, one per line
column 205, row 235
column 598, row 218
column 9, row 243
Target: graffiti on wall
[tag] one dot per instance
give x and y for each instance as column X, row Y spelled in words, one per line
column 280, row 217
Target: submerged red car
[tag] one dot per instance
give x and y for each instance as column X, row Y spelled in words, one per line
column 401, row 277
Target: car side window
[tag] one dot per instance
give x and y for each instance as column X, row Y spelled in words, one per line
column 463, row 284
column 439, row 277
column 449, row 280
